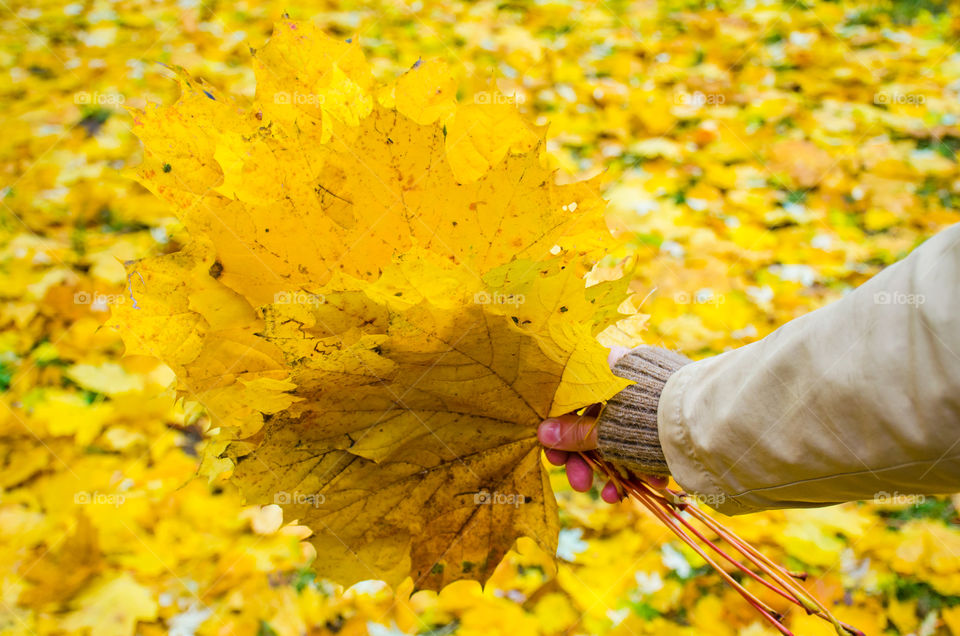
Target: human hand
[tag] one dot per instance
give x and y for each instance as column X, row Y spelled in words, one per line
column 564, row 437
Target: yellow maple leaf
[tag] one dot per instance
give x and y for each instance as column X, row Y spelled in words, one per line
column 375, row 318
column 427, row 92
column 112, row 607
column 58, row 573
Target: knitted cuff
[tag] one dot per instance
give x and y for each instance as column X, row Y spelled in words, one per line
column 627, row 428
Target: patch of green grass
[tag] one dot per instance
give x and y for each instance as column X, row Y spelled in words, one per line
column 947, row 147
column 927, row 598
column 930, row 508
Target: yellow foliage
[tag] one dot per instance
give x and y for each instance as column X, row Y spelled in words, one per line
column 411, row 320
column 759, row 161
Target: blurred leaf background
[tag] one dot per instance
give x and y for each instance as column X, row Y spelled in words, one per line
column 761, row 158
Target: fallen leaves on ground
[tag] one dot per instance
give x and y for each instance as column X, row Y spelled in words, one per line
column 733, row 234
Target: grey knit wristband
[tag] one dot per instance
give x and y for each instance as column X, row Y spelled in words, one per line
column 627, row 432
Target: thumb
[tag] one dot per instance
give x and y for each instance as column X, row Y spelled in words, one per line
column 569, row 432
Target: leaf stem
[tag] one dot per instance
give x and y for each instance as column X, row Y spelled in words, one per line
column 669, row 507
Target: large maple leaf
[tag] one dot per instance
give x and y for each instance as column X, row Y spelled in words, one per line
column 383, row 297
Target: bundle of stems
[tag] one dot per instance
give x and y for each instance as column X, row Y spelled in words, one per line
column 676, row 510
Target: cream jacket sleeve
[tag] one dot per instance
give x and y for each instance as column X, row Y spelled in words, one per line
column 857, row 400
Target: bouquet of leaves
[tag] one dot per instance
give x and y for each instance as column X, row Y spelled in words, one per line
column 382, row 296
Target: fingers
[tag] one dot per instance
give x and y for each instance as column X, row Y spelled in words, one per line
column 579, row 473
column 656, row 481
column 568, row 433
column 556, row 457
column 609, row 493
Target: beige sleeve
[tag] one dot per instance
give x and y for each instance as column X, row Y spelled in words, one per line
column 857, row 400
